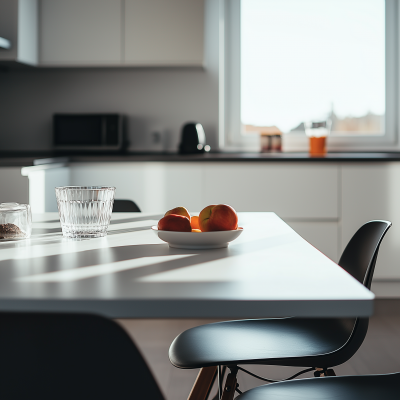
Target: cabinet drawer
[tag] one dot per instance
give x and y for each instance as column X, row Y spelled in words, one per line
column 293, row 191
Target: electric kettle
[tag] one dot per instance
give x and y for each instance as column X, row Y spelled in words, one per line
column 193, row 139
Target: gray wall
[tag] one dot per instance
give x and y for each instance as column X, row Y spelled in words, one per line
column 153, row 99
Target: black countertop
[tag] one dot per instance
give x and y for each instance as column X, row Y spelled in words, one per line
column 18, row 160
column 237, row 157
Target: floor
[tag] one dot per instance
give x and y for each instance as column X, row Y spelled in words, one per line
column 380, row 352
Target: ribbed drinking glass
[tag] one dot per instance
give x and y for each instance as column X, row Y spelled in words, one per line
column 85, row 211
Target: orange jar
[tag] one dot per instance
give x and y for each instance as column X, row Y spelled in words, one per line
column 317, row 145
column 317, row 132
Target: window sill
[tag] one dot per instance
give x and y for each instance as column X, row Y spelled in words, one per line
column 299, row 142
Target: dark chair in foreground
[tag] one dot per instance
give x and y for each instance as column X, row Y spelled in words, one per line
column 318, row 344
column 365, row 387
column 70, row 356
column 125, row 206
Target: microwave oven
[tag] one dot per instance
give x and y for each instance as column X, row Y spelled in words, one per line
column 91, row 132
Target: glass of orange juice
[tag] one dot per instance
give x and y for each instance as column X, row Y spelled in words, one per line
column 317, row 132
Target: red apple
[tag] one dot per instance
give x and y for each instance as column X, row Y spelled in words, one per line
column 179, row 211
column 173, row 222
column 219, row 217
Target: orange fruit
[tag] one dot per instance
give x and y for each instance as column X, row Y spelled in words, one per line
column 195, row 222
column 196, row 230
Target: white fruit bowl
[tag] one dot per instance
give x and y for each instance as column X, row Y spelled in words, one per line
column 197, row 240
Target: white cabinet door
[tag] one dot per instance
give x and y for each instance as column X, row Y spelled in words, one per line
column 154, row 186
column 164, row 32
column 183, row 186
column 324, row 236
column 372, row 191
column 294, row 191
column 144, row 183
column 81, row 32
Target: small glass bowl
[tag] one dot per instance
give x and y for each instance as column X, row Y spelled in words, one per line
column 15, row 221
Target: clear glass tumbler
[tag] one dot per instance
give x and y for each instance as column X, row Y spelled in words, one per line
column 317, row 133
column 85, row 211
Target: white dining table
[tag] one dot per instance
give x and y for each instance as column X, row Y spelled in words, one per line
column 269, row 271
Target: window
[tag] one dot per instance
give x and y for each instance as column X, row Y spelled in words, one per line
column 301, row 60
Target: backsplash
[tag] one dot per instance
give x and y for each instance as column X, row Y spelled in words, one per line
column 153, row 100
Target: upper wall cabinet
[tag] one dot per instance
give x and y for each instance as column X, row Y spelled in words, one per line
column 80, row 32
column 164, row 32
column 121, row 32
column 19, row 25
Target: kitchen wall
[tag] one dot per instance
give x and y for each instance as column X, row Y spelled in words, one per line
column 153, row 99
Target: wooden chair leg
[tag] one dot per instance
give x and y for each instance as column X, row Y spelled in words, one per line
column 203, row 384
column 230, row 385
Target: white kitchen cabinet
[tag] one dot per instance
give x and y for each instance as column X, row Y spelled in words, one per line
column 42, row 181
column 295, row 191
column 81, row 32
column 19, row 25
column 164, row 32
column 308, row 201
column 372, row 191
column 121, row 33
column 184, row 186
column 143, row 183
column 154, row 186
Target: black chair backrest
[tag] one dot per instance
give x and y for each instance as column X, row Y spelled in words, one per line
column 359, row 256
column 125, row 206
column 359, row 259
column 70, row 356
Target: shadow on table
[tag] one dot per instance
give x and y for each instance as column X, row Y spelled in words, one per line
column 119, row 221
column 93, row 260
column 45, row 231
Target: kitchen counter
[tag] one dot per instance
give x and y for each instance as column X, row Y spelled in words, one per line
column 12, row 160
column 17, row 161
column 232, row 157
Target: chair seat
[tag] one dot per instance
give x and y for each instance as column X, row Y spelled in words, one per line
column 282, row 341
column 366, row 387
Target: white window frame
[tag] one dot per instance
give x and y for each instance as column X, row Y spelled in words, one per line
column 230, row 132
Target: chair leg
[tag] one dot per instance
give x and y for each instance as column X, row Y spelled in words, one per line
column 230, row 385
column 330, row 372
column 221, row 375
column 321, row 372
column 203, row 384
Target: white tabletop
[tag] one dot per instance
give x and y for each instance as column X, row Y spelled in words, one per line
column 268, row 271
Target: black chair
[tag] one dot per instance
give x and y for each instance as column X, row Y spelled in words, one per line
column 125, row 206
column 70, row 356
column 365, row 387
column 318, row 344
